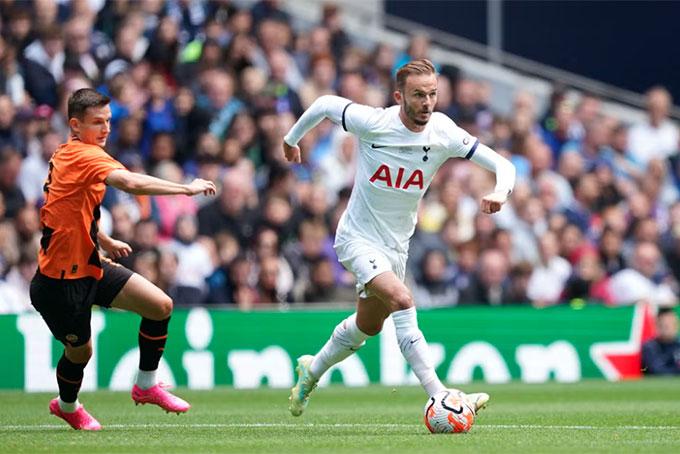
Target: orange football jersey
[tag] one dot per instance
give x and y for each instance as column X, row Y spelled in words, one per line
column 74, row 189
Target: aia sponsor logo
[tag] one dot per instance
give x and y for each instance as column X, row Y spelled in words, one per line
column 398, row 181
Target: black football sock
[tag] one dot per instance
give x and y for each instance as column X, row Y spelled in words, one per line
column 69, row 378
column 152, row 337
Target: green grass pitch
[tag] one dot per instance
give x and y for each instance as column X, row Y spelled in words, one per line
column 590, row 416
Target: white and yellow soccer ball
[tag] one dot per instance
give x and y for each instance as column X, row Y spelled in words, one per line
column 449, row 412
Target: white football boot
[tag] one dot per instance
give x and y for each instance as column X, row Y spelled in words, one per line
column 299, row 394
column 479, row 400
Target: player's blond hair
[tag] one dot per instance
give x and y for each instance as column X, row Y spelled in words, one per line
column 423, row 66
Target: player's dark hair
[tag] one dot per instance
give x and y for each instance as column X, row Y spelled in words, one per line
column 423, row 66
column 81, row 100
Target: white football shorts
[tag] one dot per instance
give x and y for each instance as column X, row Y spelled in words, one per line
column 366, row 261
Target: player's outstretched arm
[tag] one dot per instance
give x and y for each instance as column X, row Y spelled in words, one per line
column 327, row 106
column 505, row 177
column 140, row 184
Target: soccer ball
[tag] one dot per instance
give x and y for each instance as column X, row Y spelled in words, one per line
column 449, row 412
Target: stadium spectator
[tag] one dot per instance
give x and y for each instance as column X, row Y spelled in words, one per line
column 9, row 136
column 268, row 9
column 266, row 245
column 221, row 101
column 190, row 122
column 468, row 256
column 580, row 212
column 159, row 109
column 490, row 284
column 332, row 20
column 242, row 291
column 321, row 81
column 322, row 286
column 16, row 283
column 27, row 226
column 281, row 95
column 611, row 242
column 434, row 287
column 167, row 271
column 549, row 277
column 243, row 131
column 446, row 240
column 78, row 47
column 146, row 265
column 640, row 281
column 122, row 223
column 194, row 265
column 24, row 80
column 229, row 212
column 219, row 285
column 314, row 243
column 34, row 168
column 589, row 282
column 661, row 356
column 268, row 284
column 558, row 130
column 572, row 242
column 47, row 12
column 418, row 48
column 163, row 47
column 519, row 282
column 145, row 239
column 10, row 166
column 657, row 137
column 48, row 50
column 170, row 208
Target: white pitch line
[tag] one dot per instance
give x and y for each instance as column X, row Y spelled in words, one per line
column 539, row 426
column 270, row 425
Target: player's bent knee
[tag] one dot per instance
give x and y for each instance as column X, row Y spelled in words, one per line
column 79, row 355
column 163, row 307
column 401, row 300
column 160, row 307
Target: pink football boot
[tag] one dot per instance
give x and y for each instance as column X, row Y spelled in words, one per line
column 159, row 396
column 79, row 419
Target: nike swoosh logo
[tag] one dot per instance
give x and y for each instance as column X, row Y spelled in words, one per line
column 377, row 146
column 414, row 341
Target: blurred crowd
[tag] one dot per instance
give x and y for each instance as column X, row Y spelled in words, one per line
column 207, row 89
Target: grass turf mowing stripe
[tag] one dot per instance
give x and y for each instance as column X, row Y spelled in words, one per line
column 267, row 425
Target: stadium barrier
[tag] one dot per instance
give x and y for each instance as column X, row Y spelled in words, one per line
column 207, row 348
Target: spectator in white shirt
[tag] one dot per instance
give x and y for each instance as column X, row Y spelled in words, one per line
column 636, row 283
column 34, row 168
column 48, row 51
column 549, row 277
column 657, row 137
column 194, row 264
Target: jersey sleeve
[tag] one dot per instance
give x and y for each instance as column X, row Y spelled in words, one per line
column 460, row 143
column 359, row 119
column 97, row 165
column 353, row 117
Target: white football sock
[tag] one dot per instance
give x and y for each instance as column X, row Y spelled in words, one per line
column 68, row 407
column 415, row 350
column 347, row 338
column 146, row 379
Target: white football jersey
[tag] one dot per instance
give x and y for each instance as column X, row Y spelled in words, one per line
column 395, row 168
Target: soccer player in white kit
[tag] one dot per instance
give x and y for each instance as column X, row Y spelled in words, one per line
column 400, row 149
